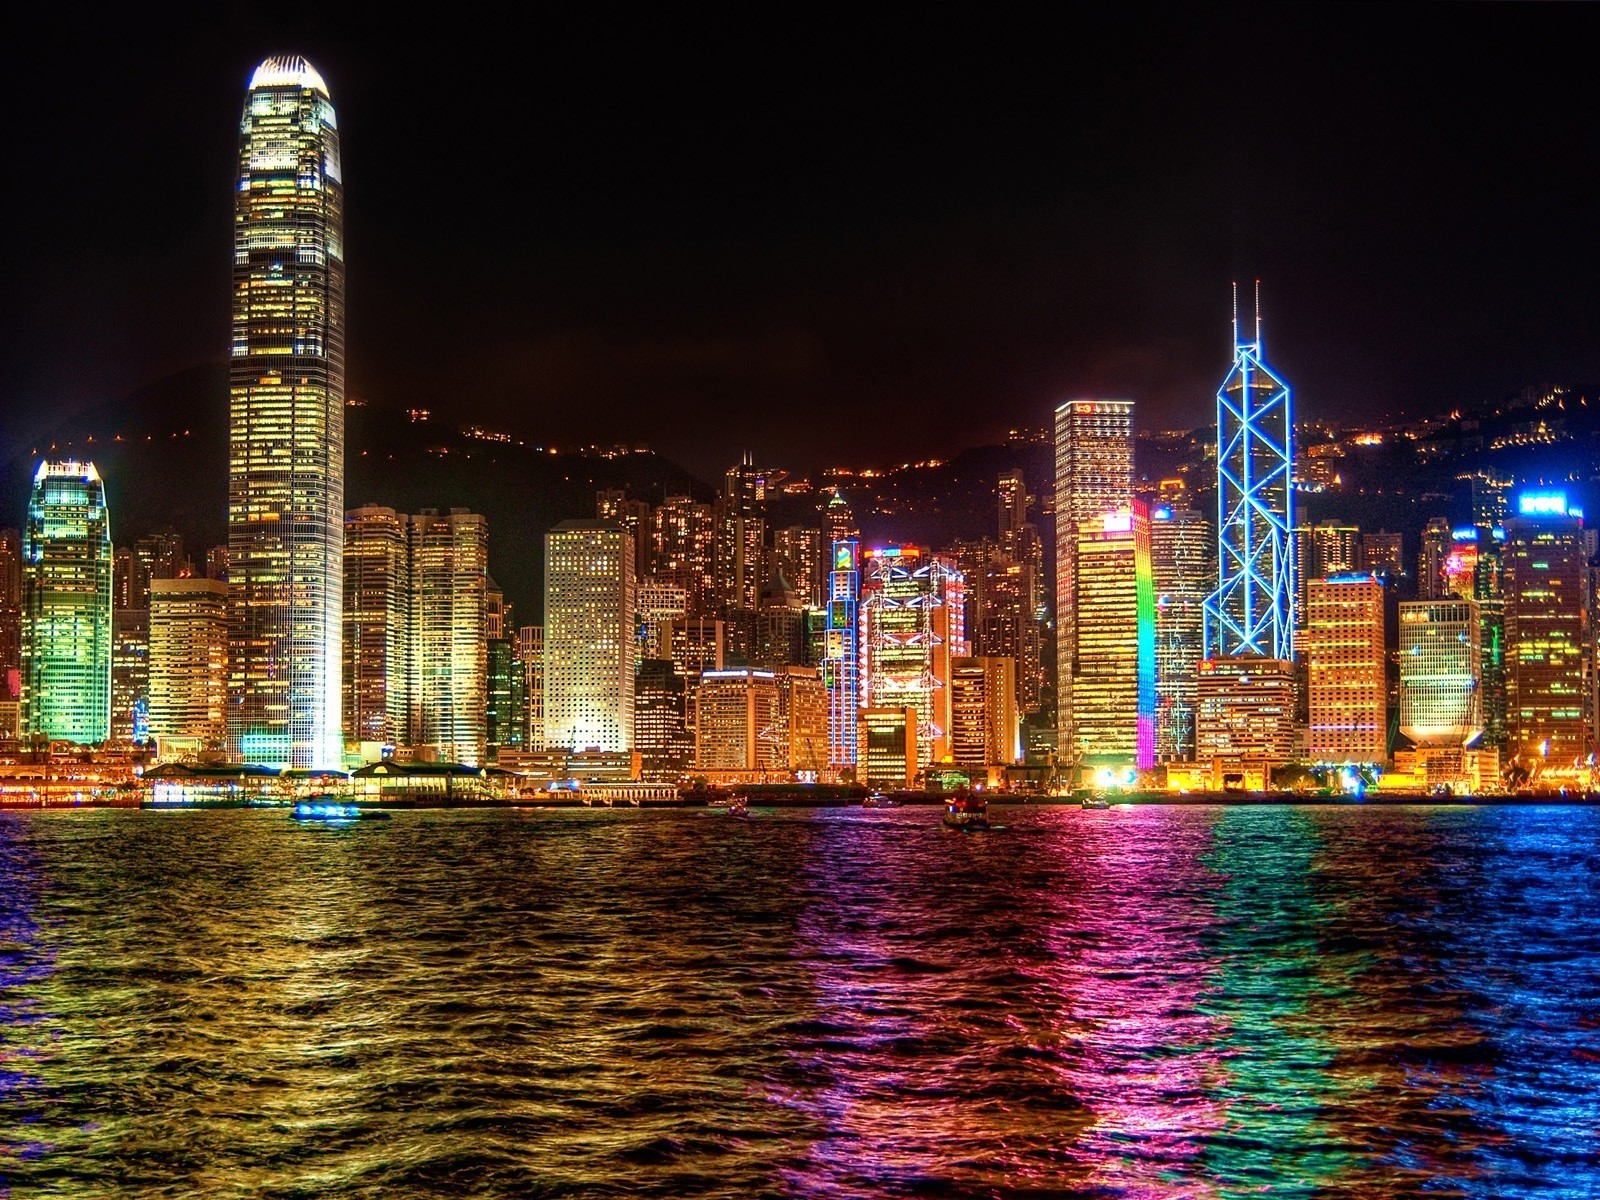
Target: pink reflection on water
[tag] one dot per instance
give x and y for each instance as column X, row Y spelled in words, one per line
column 1008, row 1012
column 1130, row 968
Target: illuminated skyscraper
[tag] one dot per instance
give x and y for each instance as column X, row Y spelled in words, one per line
column 66, row 606
column 1382, row 555
column 1252, row 609
column 505, row 720
column 1441, row 671
column 1326, row 548
column 741, row 537
column 589, row 637
column 286, row 424
column 801, row 554
column 1546, row 624
column 1094, row 476
column 1182, row 569
column 661, row 721
column 985, row 729
column 684, row 544
column 450, row 635
column 1245, row 709
column 188, row 665
column 913, row 612
column 1114, row 693
column 839, row 523
column 130, row 673
column 841, row 655
column 1348, row 692
column 377, row 626
column 530, row 653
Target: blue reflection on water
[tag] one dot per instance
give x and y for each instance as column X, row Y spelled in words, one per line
column 1533, row 954
column 25, row 960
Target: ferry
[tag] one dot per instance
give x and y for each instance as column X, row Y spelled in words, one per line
column 966, row 812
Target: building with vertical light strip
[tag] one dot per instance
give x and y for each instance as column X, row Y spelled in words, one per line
column 286, row 424
column 1346, row 670
column 1182, row 568
column 66, row 606
column 589, row 637
column 1094, row 476
column 1114, row 693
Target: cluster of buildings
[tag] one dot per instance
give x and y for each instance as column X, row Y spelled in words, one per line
column 1187, row 643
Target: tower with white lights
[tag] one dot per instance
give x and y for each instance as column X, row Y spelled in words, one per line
column 286, row 424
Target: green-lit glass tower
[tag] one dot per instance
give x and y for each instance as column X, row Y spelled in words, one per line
column 286, row 424
column 66, row 606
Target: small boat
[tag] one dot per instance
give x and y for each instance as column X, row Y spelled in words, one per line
column 1095, row 803
column 316, row 809
column 739, row 806
column 967, row 812
column 879, row 800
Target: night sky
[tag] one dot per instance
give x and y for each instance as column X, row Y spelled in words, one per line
column 829, row 240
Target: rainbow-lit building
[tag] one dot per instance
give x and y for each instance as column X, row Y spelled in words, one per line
column 66, row 606
column 1114, row 694
column 286, row 424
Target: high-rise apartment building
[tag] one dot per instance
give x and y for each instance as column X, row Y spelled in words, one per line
column 66, row 606
column 1326, row 548
column 737, row 723
column 684, row 548
column 130, row 674
column 661, row 721
column 530, row 652
column 986, row 729
column 656, row 607
column 1094, row 476
column 450, row 635
column 1114, row 691
column 188, row 666
column 286, row 424
column 1182, row 571
column 376, row 672
column 589, row 637
column 800, row 555
column 1546, row 628
column 1383, row 555
column 1345, row 661
column 741, row 537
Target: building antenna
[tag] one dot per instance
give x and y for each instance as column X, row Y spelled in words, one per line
column 1236, row 312
column 1258, row 312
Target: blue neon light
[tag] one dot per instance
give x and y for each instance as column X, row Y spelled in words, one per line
column 1252, row 610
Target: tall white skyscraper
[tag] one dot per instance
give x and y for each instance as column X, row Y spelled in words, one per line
column 286, row 424
column 589, row 635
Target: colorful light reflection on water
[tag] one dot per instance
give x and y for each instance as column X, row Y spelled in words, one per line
column 1141, row 1003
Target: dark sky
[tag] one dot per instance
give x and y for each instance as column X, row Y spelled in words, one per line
column 829, row 238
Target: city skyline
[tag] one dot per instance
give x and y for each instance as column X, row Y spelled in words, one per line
column 559, row 322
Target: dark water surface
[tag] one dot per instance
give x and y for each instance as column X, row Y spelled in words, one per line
column 1148, row 1002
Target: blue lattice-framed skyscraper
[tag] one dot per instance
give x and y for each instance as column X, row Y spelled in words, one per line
column 286, row 424
column 1252, row 610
